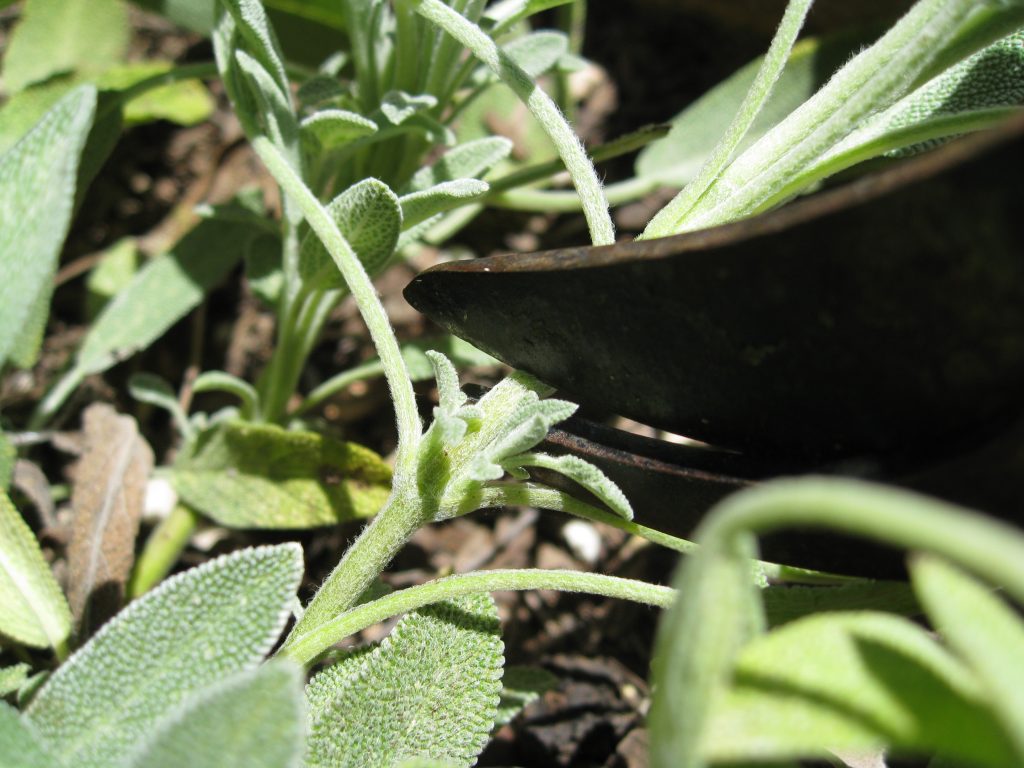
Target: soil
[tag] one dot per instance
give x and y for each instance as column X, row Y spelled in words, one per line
column 657, row 60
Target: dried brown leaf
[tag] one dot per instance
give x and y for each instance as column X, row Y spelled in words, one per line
column 110, row 484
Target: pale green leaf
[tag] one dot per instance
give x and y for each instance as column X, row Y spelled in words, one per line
column 253, row 719
column 34, row 609
column 430, row 690
column 8, row 455
column 246, row 475
column 370, row 217
column 520, row 687
column 37, row 191
column 194, row 629
column 511, row 12
column 186, row 102
column 676, row 159
column 420, row 206
column 397, row 106
column 153, row 390
column 330, row 129
column 450, row 394
column 19, row 744
column 538, row 52
column 252, row 24
column 219, row 381
column 115, row 270
column 24, row 109
column 581, row 472
column 984, row 630
column 59, row 36
column 196, row 15
column 466, row 161
column 852, row 681
column 275, row 113
column 13, row 677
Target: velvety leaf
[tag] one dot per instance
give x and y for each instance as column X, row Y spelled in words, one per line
column 852, row 681
column 986, row 632
column 466, row 161
column 678, row 157
column 162, row 292
column 246, row 475
column 24, row 109
column 520, row 687
column 397, row 106
column 333, row 128
column 58, row 36
column 370, row 217
column 107, row 500
column 186, row 102
column 13, row 677
column 254, row 27
column 196, row 15
column 538, row 52
column 19, row 745
column 420, row 206
column 580, row 472
column 429, row 690
column 253, row 719
column 34, row 610
column 194, row 629
column 37, row 191
column 275, row 109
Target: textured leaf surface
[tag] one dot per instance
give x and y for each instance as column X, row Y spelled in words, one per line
column 466, row 161
column 332, row 128
column 57, row 36
column 109, row 490
column 37, row 190
column 420, row 206
column 252, row 719
column 986, row 633
column 249, row 475
column 163, row 292
column 582, row 472
column 13, row 677
column 538, row 52
column 430, row 690
column 19, row 745
column 192, row 630
column 34, row 610
column 852, row 681
column 370, row 217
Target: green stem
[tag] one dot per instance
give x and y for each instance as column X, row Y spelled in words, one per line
column 671, row 217
column 163, row 548
column 306, row 648
column 595, row 207
column 409, row 426
column 547, row 201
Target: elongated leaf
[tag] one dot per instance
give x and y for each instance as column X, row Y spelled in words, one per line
column 579, row 471
column 163, row 292
column 466, row 161
column 430, row 690
column 246, row 475
column 253, row 719
column 853, row 681
column 677, row 158
column 329, row 129
column 784, row 604
column 988, row 635
column 59, row 36
column 254, row 27
column 538, row 52
column 37, row 190
column 19, row 745
column 219, row 381
column 110, row 487
column 34, row 610
column 370, row 217
column 420, row 206
column 13, row 677
column 193, row 630
column 186, row 102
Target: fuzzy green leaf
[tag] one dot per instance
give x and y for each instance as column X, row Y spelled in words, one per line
column 420, row 206
column 254, row 27
column 986, row 633
column 19, row 745
column 510, row 14
column 466, row 161
column 61, row 36
column 370, row 217
column 192, row 630
column 37, row 190
column 253, row 719
column 521, row 686
column 581, row 472
column 852, row 681
column 449, row 390
column 330, row 129
column 186, row 102
column 538, row 52
column 34, row 609
column 275, row 113
column 246, row 475
column 219, row 381
column 13, row 677
column 8, row 455
column 397, row 106
column 430, row 690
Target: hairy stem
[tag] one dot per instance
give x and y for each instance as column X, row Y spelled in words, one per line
column 595, row 206
column 306, row 648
